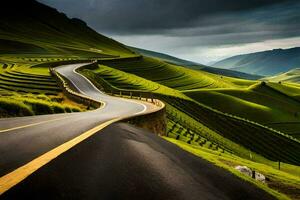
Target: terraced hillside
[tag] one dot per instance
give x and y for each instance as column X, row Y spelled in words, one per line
column 25, row 78
column 124, row 82
column 174, row 76
column 273, row 105
column 28, row 89
column 261, row 140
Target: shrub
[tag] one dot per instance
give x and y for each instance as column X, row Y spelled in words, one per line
column 75, row 110
column 43, row 97
column 68, row 110
column 10, row 108
column 39, row 107
column 57, row 99
column 58, row 108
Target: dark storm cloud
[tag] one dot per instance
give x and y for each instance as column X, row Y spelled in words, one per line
column 180, row 27
column 151, row 16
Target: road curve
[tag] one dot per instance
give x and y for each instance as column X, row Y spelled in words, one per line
column 23, row 139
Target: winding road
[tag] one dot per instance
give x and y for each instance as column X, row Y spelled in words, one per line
column 88, row 156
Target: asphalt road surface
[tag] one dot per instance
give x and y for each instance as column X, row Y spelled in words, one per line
column 24, row 138
column 119, row 162
column 124, row 162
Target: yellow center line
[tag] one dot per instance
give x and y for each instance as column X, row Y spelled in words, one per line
column 13, row 178
column 34, row 124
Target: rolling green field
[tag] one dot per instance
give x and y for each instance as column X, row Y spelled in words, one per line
column 264, row 104
column 292, row 76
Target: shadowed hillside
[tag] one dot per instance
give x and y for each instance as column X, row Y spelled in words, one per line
column 29, row 27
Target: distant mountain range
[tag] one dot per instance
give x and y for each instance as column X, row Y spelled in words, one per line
column 194, row 65
column 266, row 63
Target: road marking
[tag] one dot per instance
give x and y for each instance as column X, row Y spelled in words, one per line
column 13, row 178
column 34, row 124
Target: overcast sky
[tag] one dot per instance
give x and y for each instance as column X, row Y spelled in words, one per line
column 199, row 30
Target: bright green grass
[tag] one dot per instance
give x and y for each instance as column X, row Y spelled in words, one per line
column 125, row 81
column 258, row 103
column 183, row 127
column 290, row 76
column 29, row 90
column 14, row 104
column 290, row 89
column 25, row 78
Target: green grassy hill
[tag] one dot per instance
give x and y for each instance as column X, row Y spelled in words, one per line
column 292, row 76
column 265, row 63
column 174, row 76
column 261, row 103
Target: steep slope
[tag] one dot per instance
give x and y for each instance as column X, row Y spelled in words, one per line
column 196, row 66
column 29, row 27
column 263, row 63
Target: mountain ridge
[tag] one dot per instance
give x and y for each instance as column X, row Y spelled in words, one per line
column 264, row 63
column 196, row 66
column 36, row 25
